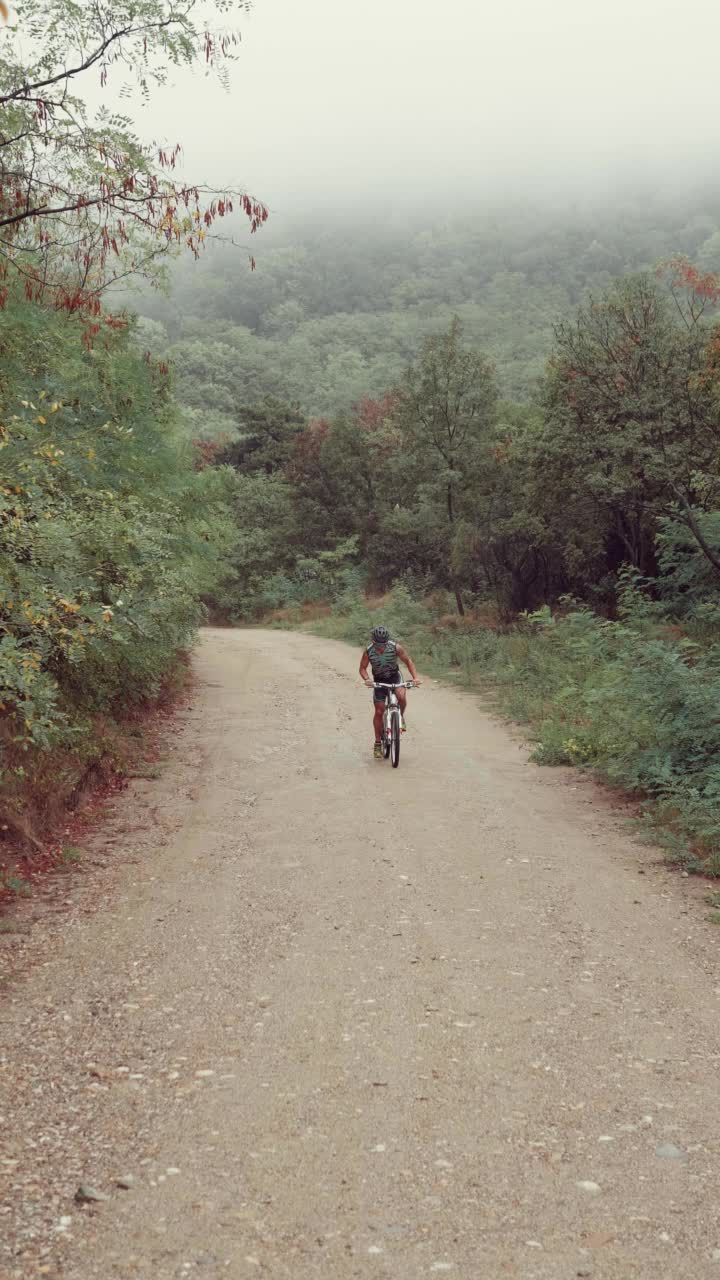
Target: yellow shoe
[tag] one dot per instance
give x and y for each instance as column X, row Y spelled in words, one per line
column 377, row 751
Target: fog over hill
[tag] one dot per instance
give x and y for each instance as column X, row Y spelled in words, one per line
column 397, row 102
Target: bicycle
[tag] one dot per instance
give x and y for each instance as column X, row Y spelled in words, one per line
column 391, row 719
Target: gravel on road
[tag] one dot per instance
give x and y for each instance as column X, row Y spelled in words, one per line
column 303, row 1015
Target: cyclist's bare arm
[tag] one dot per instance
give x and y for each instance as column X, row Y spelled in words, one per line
column 364, row 664
column 405, row 657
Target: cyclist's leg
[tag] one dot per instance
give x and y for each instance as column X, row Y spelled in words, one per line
column 379, row 703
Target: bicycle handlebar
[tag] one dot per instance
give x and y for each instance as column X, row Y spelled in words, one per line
column 400, row 684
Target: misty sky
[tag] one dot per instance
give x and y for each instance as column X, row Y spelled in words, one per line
column 393, row 98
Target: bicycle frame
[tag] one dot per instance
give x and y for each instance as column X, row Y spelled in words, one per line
column 392, row 707
column 392, row 712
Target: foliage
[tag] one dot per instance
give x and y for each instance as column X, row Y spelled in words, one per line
column 113, row 527
column 336, row 313
column 635, row 702
column 264, row 438
column 261, row 552
column 108, row 534
column 445, row 411
column 521, row 504
column 687, row 580
column 631, row 425
column 84, row 202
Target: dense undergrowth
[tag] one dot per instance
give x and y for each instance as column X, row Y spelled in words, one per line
column 109, row 536
column 635, row 700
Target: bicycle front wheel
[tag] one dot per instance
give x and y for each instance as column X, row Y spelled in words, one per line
column 395, row 740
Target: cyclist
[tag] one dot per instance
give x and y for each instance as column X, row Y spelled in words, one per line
column 382, row 654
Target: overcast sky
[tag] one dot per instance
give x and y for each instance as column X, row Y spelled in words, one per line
column 388, row 99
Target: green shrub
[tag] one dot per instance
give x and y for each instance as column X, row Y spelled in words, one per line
column 109, row 536
column 639, row 707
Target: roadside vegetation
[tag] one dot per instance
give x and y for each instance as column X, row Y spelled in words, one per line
column 109, row 537
column 110, row 530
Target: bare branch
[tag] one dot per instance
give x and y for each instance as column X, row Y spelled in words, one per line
column 30, row 92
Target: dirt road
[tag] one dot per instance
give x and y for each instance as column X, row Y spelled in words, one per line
column 333, row 1020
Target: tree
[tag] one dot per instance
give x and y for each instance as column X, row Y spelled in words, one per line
column 632, row 414
column 505, row 548
column 108, row 536
column 342, row 473
column 267, row 433
column 446, row 405
column 265, row 541
column 84, row 202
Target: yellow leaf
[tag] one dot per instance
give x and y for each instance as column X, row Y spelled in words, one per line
column 4, row 11
column 41, row 420
column 91, row 454
column 54, row 406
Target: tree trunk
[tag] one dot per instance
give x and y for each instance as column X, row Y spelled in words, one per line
column 688, row 519
column 451, row 521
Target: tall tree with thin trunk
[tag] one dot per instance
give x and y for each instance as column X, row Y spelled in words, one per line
column 446, row 408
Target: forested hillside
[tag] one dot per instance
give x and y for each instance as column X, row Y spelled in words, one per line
column 334, row 314
column 607, row 466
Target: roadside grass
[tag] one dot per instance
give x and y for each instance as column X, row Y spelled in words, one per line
column 70, row 854
column 632, row 701
column 15, row 885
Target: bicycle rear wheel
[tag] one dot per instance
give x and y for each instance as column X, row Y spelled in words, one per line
column 395, row 740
